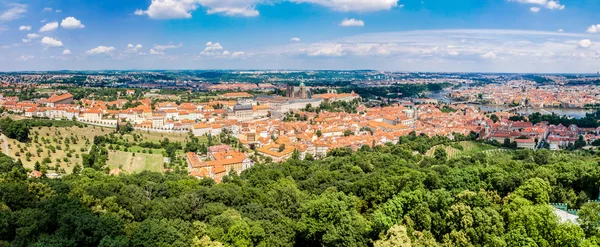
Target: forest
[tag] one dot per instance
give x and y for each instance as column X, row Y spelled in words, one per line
column 390, row 195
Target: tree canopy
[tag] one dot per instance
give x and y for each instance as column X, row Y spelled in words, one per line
column 391, row 195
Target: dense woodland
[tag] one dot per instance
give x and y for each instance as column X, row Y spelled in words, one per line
column 390, row 195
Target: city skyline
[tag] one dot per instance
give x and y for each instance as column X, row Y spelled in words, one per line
column 526, row 36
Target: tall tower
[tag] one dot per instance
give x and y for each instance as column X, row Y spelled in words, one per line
column 303, row 93
column 289, row 91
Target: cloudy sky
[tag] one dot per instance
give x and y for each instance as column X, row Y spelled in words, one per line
column 407, row 35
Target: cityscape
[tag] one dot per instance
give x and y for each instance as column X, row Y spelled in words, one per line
column 309, row 123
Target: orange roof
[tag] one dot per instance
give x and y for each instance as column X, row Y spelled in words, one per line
column 225, row 158
column 530, row 140
column 167, row 104
column 202, row 173
column 194, row 159
column 201, row 126
column 219, row 169
column 273, row 150
column 237, row 95
column 35, row 174
column 260, row 107
column 93, row 111
column 115, row 171
column 56, row 98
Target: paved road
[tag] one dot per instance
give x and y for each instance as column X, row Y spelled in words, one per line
column 5, row 144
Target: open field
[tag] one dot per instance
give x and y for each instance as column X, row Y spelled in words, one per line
column 138, row 149
column 468, row 148
column 71, row 141
column 63, row 147
column 158, row 136
column 135, row 162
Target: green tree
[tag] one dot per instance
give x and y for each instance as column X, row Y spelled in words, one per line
column 333, row 220
column 589, row 218
column 348, row 133
column 396, row 236
column 536, row 190
column 440, row 154
column 163, row 232
column 494, row 118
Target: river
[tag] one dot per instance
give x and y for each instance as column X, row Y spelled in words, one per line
column 569, row 112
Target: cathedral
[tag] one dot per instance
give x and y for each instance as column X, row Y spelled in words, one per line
column 297, row 92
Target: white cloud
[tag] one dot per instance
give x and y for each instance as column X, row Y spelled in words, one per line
column 169, row 9
column 424, row 50
column 47, row 9
column 335, row 50
column 14, row 12
column 554, row 5
column 51, row 26
column 179, row 9
column 71, row 23
column 32, row 36
column 134, row 48
column 534, row 9
column 25, row 57
column 489, row 55
column 51, row 42
column 58, row 11
column 362, row 49
column 238, row 54
column 560, row 30
column 11, row 46
column 354, row 5
column 212, row 49
column 352, row 23
column 295, row 39
column 101, row 50
column 549, row 4
column 585, row 43
column 66, row 52
column 215, row 49
column 166, row 47
column 481, row 50
column 43, row 21
column 156, row 52
column 25, row 28
column 594, row 28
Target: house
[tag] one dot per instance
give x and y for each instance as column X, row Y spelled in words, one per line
column 525, row 143
column 92, row 115
column 60, row 99
column 261, row 111
column 243, row 112
column 277, row 152
column 220, row 164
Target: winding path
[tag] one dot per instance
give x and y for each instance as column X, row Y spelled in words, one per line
column 5, row 144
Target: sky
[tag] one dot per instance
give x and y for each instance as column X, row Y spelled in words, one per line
column 528, row 36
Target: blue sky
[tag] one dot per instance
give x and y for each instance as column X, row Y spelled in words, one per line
column 406, row 35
